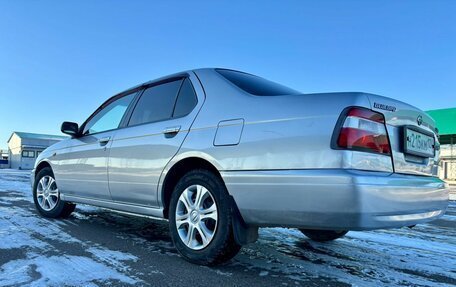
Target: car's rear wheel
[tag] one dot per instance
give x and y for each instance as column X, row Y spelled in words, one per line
column 46, row 196
column 200, row 219
column 323, row 235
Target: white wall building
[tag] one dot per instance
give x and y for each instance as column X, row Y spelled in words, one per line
column 448, row 162
column 23, row 148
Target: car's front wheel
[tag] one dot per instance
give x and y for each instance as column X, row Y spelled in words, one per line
column 323, row 235
column 46, row 196
column 200, row 219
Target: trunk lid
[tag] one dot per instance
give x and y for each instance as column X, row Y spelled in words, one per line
column 410, row 132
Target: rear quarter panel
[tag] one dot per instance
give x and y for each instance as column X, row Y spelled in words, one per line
column 279, row 132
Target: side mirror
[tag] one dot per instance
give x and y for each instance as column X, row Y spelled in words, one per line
column 70, row 128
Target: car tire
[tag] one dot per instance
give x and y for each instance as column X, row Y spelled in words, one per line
column 192, row 214
column 47, row 197
column 323, row 235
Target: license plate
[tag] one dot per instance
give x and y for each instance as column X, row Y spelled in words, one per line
column 418, row 143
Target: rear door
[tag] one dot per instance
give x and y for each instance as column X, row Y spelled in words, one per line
column 412, row 135
column 158, row 125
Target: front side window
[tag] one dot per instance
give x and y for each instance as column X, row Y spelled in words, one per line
column 255, row 85
column 156, row 103
column 28, row 153
column 109, row 117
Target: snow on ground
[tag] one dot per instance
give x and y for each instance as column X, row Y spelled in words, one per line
column 41, row 266
column 59, row 271
column 96, row 247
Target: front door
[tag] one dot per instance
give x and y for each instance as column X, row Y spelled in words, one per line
column 82, row 168
column 157, row 127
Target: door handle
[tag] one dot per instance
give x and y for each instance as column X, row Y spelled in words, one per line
column 104, row 141
column 172, row 130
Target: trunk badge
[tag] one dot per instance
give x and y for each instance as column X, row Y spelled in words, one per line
column 385, row 107
column 419, row 120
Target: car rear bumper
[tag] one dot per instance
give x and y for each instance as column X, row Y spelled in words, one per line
column 336, row 199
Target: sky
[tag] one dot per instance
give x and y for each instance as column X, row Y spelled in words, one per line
column 59, row 60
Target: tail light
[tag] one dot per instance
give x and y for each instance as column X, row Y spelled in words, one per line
column 364, row 130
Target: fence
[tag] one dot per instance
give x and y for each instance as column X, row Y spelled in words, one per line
column 4, row 163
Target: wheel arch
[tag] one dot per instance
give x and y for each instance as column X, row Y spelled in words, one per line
column 42, row 165
column 179, row 169
column 243, row 233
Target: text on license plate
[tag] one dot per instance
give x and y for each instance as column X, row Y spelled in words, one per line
column 417, row 143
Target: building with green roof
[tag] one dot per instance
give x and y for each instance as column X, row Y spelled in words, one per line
column 446, row 123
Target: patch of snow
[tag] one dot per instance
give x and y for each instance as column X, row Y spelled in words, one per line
column 401, row 242
column 13, row 237
column 38, row 270
column 19, row 187
column 111, row 257
column 228, row 274
column 25, row 228
column 87, row 208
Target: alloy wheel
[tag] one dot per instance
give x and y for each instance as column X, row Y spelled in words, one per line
column 196, row 217
column 47, row 193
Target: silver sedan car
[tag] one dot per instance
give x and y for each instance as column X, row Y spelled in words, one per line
column 220, row 153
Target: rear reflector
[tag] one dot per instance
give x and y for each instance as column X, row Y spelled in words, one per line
column 364, row 130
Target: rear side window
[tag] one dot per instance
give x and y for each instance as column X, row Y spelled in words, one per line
column 255, row 85
column 186, row 100
column 156, row 103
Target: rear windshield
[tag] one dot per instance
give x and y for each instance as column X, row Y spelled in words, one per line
column 255, row 85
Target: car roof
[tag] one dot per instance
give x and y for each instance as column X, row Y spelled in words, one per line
column 170, row 76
